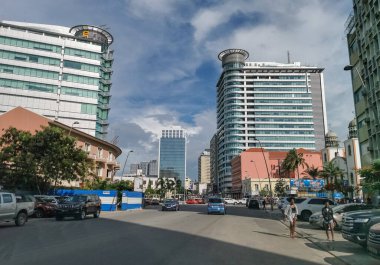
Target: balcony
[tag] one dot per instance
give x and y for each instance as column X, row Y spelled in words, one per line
column 107, row 56
column 105, row 81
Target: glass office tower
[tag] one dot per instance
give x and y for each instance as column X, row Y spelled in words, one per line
column 172, row 154
column 280, row 105
column 59, row 72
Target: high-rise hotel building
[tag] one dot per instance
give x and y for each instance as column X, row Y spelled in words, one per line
column 59, row 72
column 280, row 106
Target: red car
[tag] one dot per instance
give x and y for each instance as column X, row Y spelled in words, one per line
column 45, row 207
column 191, row 201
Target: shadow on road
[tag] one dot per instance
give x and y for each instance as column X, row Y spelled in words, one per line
column 108, row 241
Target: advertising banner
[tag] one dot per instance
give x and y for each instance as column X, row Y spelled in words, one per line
column 308, row 184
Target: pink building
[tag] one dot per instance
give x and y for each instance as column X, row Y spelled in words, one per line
column 250, row 164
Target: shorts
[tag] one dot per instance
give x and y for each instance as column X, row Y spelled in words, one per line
column 331, row 222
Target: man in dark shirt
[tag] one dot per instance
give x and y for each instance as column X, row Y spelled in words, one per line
column 328, row 220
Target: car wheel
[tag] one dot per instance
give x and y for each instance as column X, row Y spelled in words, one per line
column 235, row 203
column 97, row 214
column 305, row 215
column 39, row 213
column 82, row 215
column 21, row 219
column 58, row 218
column 163, row 209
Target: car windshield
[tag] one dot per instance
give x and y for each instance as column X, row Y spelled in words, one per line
column 169, row 201
column 76, row 199
column 215, row 200
column 48, row 200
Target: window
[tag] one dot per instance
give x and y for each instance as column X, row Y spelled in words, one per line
column 100, row 152
column 352, row 178
column 256, row 187
column 110, row 156
column 99, row 171
column 349, row 150
column 7, row 198
column 316, row 201
column 87, row 147
column 325, row 157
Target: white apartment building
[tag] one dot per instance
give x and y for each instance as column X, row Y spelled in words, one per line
column 60, row 72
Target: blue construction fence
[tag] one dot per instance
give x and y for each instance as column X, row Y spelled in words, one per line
column 130, row 199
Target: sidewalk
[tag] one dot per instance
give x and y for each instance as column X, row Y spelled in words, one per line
column 345, row 251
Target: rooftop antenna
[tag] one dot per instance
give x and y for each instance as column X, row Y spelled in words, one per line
column 288, row 57
column 115, row 140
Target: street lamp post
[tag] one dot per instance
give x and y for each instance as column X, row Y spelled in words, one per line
column 266, row 165
column 72, row 126
column 125, row 162
column 257, row 173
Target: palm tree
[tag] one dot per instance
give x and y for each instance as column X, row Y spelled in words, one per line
column 293, row 161
column 170, row 184
column 330, row 170
column 313, row 172
column 161, row 186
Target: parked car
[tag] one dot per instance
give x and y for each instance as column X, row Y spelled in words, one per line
column 155, row 202
column 200, row 201
column 241, row 201
column 45, row 206
column 170, row 205
column 216, row 205
column 14, row 209
column 28, row 202
column 356, row 225
column 255, row 203
column 191, row 201
column 285, row 201
column 373, row 241
column 316, row 219
column 230, row 201
column 79, row 206
column 308, row 206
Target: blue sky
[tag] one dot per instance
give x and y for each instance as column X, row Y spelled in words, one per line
column 166, row 64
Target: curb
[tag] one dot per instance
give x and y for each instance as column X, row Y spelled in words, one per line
column 315, row 243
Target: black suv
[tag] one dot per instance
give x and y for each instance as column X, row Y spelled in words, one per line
column 79, row 206
column 356, row 225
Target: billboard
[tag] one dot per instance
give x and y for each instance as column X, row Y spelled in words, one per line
column 308, row 184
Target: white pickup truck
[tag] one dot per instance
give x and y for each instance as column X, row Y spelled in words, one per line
column 11, row 210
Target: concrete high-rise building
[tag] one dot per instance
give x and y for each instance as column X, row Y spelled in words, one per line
column 204, row 167
column 144, row 168
column 364, row 50
column 134, row 168
column 59, row 72
column 280, row 105
column 214, row 163
column 153, row 169
column 172, row 153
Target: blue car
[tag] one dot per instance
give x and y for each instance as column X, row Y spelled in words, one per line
column 216, row 205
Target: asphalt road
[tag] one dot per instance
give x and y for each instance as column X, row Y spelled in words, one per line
column 150, row 236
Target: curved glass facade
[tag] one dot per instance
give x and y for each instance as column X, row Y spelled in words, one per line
column 281, row 105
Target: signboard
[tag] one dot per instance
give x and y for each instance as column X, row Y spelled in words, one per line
column 308, row 183
column 138, row 184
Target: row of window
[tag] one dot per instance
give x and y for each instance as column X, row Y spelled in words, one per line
column 283, row 145
column 82, row 53
column 30, row 44
column 24, row 71
column 80, row 79
column 28, row 58
column 28, row 85
column 278, row 101
column 300, row 126
column 283, row 138
column 88, row 109
column 281, row 132
column 282, row 119
column 79, row 92
column 279, row 83
column 274, row 95
column 81, row 66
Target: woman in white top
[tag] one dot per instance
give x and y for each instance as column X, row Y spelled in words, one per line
column 291, row 213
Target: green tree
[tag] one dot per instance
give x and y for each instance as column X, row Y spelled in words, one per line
column 293, row 161
column 161, row 187
column 58, row 157
column 280, row 187
column 371, row 177
column 170, row 185
column 313, row 172
column 18, row 166
column 149, row 190
column 264, row 192
column 36, row 162
column 330, row 170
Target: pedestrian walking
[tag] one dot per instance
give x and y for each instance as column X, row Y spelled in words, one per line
column 264, row 204
column 328, row 220
column 291, row 213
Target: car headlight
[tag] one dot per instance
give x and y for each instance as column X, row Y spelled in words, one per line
column 361, row 220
